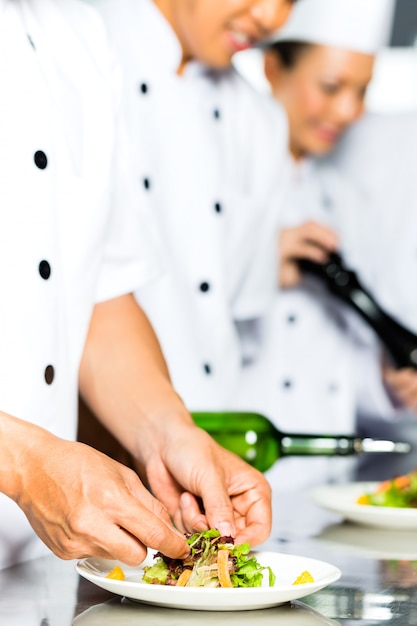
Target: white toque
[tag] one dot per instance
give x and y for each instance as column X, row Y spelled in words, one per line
column 359, row 25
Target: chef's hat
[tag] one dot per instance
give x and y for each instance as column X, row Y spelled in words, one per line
column 359, row 25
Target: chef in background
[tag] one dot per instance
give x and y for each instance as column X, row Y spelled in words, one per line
column 74, row 246
column 321, row 366
column 211, row 155
column 387, row 141
column 371, row 156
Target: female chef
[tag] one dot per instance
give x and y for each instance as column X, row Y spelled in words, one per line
column 387, row 141
column 322, row 87
column 213, row 176
column 321, row 366
column 319, row 69
column 390, row 185
column 67, row 271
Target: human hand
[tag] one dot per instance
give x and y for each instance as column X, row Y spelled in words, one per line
column 82, row 503
column 402, row 384
column 194, row 469
column 172, row 455
column 310, row 241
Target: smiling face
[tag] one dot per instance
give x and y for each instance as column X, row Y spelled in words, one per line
column 211, row 31
column 323, row 93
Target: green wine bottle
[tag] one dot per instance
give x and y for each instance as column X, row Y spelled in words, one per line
column 256, row 440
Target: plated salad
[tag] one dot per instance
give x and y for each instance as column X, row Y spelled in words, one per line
column 214, row 561
column 398, row 492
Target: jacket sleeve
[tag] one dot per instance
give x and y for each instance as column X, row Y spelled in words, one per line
column 130, row 259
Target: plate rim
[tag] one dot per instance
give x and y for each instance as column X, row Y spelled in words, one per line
column 369, row 511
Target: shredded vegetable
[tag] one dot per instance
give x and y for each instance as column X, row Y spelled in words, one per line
column 214, row 561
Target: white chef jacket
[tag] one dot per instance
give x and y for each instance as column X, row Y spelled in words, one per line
column 320, row 368
column 213, row 168
column 63, row 174
column 379, row 154
column 313, row 340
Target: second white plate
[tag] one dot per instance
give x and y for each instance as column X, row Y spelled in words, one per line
column 371, row 542
column 342, row 499
column 285, row 567
column 126, row 613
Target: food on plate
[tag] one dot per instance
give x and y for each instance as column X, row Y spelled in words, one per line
column 400, row 491
column 116, row 573
column 214, row 561
column 303, row 578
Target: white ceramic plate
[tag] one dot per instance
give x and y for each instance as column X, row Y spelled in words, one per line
column 342, row 500
column 285, row 567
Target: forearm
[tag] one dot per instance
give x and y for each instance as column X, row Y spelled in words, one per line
column 18, row 442
column 124, row 377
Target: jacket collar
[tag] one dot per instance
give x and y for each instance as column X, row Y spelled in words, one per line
column 163, row 50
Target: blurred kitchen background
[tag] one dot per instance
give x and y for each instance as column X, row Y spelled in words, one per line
column 394, row 86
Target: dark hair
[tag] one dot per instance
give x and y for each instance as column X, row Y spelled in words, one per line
column 288, row 51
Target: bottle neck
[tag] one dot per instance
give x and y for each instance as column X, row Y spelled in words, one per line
column 335, row 445
column 319, row 445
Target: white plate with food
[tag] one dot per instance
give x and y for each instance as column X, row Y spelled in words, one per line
column 286, row 568
column 342, row 499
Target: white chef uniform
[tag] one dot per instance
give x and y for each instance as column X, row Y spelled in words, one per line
column 307, row 370
column 62, row 172
column 388, row 182
column 214, row 180
column 379, row 155
column 321, row 365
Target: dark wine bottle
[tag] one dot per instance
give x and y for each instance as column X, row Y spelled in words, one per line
column 401, row 343
column 255, row 439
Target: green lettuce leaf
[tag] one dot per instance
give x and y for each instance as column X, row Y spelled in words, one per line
column 156, row 573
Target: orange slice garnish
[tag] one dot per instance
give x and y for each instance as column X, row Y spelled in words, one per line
column 116, row 574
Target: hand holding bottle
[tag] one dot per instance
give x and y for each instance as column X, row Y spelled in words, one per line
column 311, row 241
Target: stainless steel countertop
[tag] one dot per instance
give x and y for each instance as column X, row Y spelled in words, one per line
column 378, row 583
column 378, row 586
